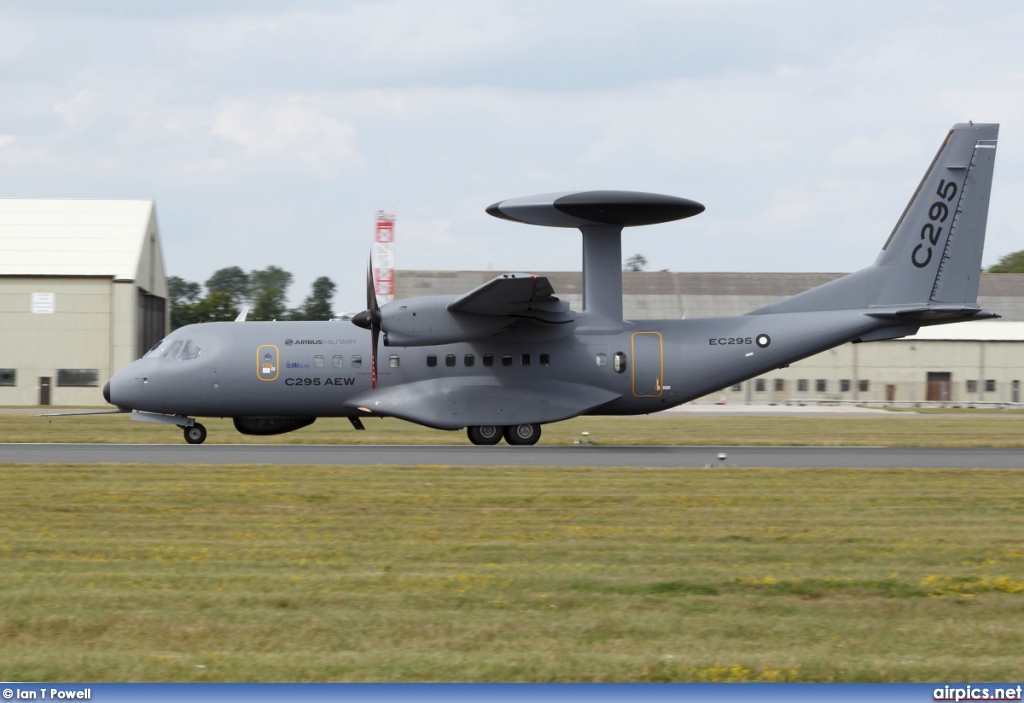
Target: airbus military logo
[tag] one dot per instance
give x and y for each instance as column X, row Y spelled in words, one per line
column 288, row 342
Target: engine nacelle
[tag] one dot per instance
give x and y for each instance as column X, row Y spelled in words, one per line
column 419, row 322
column 271, row 425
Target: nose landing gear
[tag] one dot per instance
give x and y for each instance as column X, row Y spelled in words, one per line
column 196, row 434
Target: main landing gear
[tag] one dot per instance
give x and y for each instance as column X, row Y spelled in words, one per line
column 196, row 434
column 514, row 434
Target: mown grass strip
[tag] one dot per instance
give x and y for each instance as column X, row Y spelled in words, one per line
column 313, row 573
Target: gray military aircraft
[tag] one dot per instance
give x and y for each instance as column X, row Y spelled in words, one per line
column 508, row 357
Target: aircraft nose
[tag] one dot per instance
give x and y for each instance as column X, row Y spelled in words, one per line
column 106, row 391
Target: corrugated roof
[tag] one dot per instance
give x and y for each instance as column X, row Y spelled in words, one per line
column 50, row 237
column 675, row 283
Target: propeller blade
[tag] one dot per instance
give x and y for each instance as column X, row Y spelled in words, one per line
column 371, row 288
column 371, row 319
column 374, row 333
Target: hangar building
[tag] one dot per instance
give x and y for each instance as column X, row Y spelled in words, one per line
column 972, row 363
column 82, row 294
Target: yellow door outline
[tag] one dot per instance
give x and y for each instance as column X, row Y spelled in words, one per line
column 275, row 368
column 658, row 381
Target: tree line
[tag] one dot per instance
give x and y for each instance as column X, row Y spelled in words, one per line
column 230, row 289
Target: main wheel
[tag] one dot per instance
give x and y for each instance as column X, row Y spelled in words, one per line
column 522, row 434
column 196, row 434
column 484, row 434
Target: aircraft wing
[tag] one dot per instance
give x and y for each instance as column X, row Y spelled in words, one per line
column 441, row 404
column 515, row 295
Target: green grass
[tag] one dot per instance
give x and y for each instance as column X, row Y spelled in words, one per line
column 982, row 430
column 259, row 573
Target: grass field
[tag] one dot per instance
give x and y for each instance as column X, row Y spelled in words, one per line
column 260, row 573
column 896, row 429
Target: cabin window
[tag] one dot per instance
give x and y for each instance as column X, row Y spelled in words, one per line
column 78, row 377
column 393, row 361
column 449, row 360
column 357, row 361
column 8, row 377
column 488, row 359
column 602, row 359
column 431, row 360
column 506, row 359
column 545, row 359
column 525, row 358
column 619, row 362
column 337, row 360
column 470, row 360
column 318, row 361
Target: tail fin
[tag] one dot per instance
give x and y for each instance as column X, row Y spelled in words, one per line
column 932, row 259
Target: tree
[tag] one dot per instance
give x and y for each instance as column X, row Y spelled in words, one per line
column 317, row 305
column 216, row 307
column 232, row 282
column 1011, row 263
column 183, row 296
column 268, row 290
column 181, row 291
column 635, row 263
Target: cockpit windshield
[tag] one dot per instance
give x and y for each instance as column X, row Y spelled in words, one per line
column 175, row 350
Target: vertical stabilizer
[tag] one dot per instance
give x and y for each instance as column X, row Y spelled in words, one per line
column 934, row 252
column 932, row 258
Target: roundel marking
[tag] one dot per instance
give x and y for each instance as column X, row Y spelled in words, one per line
column 763, row 340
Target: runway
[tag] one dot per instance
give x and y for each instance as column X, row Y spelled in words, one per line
column 419, row 455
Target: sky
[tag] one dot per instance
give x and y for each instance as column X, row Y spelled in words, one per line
column 272, row 132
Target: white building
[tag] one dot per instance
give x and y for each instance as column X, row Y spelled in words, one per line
column 82, row 293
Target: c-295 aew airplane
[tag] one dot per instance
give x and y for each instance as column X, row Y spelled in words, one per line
column 508, row 357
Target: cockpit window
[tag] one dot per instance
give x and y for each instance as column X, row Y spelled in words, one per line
column 191, row 350
column 172, row 351
column 158, row 350
column 175, row 350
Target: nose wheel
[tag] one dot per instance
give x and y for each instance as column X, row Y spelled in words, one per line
column 196, row 434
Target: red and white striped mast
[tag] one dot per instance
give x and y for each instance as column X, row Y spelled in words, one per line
column 384, row 257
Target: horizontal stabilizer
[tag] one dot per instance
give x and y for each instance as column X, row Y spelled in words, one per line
column 515, row 295
column 935, row 313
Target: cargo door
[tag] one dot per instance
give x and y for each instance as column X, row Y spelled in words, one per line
column 648, row 364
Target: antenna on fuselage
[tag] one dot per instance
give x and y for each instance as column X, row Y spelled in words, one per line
column 600, row 215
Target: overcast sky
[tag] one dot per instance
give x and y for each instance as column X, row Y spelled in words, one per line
column 271, row 132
